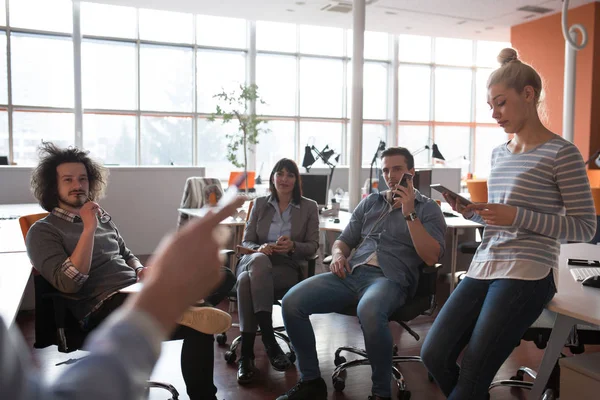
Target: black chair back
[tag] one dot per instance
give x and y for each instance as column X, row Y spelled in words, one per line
column 54, row 324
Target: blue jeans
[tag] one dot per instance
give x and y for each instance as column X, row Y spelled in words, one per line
column 377, row 298
column 490, row 316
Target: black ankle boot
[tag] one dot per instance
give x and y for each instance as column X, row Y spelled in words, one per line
column 277, row 357
column 247, row 371
column 315, row 389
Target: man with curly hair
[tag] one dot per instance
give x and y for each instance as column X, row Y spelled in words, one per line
column 85, row 257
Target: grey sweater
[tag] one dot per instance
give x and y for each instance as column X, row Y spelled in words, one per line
column 52, row 240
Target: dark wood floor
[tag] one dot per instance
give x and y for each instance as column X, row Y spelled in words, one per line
column 331, row 331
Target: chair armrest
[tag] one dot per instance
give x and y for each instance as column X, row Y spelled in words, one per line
column 312, row 262
column 431, row 269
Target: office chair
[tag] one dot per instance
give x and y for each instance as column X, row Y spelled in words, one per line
column 231, row 354
column 54, row 324
column 423, row 303
column 197, row 193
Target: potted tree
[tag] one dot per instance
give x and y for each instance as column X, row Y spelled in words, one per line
column 239, row 106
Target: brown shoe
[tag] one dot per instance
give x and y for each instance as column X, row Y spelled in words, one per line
column 207, row 320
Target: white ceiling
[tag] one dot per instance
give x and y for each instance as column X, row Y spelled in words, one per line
column 473, row 19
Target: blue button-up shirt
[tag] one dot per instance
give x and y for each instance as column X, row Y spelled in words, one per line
column 376, row 227
column 281, row 225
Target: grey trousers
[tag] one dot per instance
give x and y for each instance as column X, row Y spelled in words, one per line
column 258, row 277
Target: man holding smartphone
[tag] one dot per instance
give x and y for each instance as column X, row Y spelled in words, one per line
column 392, row 237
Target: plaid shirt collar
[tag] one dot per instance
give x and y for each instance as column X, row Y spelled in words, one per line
column 66, row 215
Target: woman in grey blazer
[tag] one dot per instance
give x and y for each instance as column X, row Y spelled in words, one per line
column 283, row 229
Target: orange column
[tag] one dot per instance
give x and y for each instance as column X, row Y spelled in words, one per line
column 541, row 44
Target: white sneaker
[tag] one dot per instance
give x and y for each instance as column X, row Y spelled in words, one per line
column 208, row 320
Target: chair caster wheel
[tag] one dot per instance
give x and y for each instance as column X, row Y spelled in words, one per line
column 221, row 339
column 403, row 395
column 291, row 356
column 430, row 377
column 339, row 384
column 339, row 360
column 230, row 357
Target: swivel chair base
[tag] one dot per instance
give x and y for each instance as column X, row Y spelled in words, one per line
column 339, row 374
column 160, row 385
column 518, row 382
column 231, row 354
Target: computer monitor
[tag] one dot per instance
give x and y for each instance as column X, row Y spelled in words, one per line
column 421, row 181
column 3, row 160
column 315, row 187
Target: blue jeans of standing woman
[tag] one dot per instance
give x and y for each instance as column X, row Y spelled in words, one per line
column 377, row 298
column 489, row 317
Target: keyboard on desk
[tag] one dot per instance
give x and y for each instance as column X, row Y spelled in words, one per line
column 579, row 274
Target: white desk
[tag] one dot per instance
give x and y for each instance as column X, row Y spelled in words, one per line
column 11, row 239
column 15, row 269
column 17, row 210
column 573, row 304
column 454, row 224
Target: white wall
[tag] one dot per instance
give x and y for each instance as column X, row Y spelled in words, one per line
column 143, row 201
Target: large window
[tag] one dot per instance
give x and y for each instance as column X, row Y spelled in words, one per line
column 148, row 80
column 166, row 141
column 166, row 78
column 414, row 94
column 43, row 15
column 217, row 71
column 375, row 88
column 111, row 138
column 106, row 20
column 276, row 80
column 30, row 128
column 321, row 87
column 276, row 36
column 486, row 139
column 42, row 70
column 108, row 72
column 274, row 145
column 164, row 26
column 220, row 32
column 453, row 94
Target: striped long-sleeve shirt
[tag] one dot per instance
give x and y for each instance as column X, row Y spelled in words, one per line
column 550, row 188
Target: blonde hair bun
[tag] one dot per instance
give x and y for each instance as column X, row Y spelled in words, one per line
column 507, row 55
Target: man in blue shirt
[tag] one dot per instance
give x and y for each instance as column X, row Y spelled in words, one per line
column 392, row 233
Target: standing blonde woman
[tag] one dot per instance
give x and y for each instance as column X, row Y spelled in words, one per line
column 539, row 194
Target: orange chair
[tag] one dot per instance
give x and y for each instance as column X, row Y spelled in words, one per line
column 234, row 176
column 27, row 220
column 594, row 177
column 478, row 190
column 596, row 197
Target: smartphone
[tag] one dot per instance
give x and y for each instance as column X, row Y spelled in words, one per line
column 584, row 263
column 405, row 179
column 232, row 190
column 442, row 189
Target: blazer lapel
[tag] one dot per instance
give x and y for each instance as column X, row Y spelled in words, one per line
column 297, row 224
column 264, row 223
